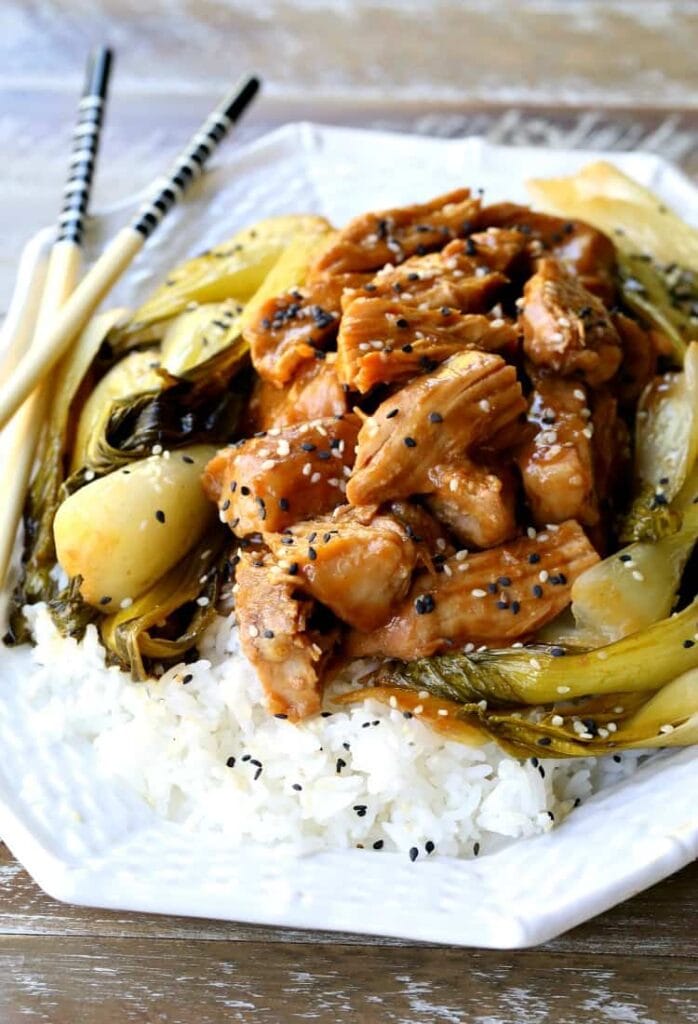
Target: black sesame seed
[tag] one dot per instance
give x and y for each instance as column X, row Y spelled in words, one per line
column 230, row 762
column 281, row 715
column 188, row 459
column 515, row 607
column 435, row 417
column 324, row 456
column 346, row 746
column 268, row 634
column 625, row 558
column 557, row 652
column 297, row 786
column 617, row 758
column 360, row 809
column 491, row 588
column 537, row 590
column 257, row 774
column 287, row 540
column 533, row 559
column 544, row 741
column 244, row 490
column 409, row 442
column 378, row 845
column 283, row 504
column 233, row 486
column 470, row 247
column 312, row 536
column 160, row 516
column 424, row 604
column 325, row 714
column 312, row 554
column 407, row 348
column 402, row 322
column 370, row 287
column 476, row 848
column 502, row 605
column 407, row 714
column 414, row 853
column 293, row 569
column 105, row 600
column 308, row 446
column 429, row 846
column 445, row 311
column 504, row 581
column 246, row 757
column 535, row 762
column 590, row 726
column 226, row 505
column 689, row 643
column 391, row 414
column 341, row 763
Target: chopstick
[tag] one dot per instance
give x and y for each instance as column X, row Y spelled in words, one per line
column 122, row 249
column 18, row 444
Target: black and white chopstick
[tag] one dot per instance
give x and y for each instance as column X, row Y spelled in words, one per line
column 86, row 136
column 19, row 441
column 122, row 249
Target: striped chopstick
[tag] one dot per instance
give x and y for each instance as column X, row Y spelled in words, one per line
column 122, row 249
column 19, row 441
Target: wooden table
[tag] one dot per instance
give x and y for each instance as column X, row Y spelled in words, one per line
column 637, row 964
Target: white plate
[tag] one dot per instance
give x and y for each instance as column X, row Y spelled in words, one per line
column 86, row 839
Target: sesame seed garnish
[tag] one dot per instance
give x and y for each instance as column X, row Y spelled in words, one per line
column 485, row 405
column 637, row 576
column 557, row 652
column 537, row 590
column 504, row 581
column 478, row 592
column 409, row 442
column 360, row 809
column 391, row 414
column 126, row 603
column 378, row 845
column 105, row 600
column 424, row 604
column 414, row 853
column 544, row 575
column 315, row 478
column 160, row 515
column 562, row 689
column 341, row 763
column 188, row 459
column 515, row 607
column 435, row 417
column 689, row 643
column 230, row 762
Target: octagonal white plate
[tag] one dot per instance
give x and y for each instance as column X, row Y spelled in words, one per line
column 86, row 839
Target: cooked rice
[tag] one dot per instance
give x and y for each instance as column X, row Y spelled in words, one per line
column 362, row 776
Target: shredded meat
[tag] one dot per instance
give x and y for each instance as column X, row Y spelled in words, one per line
column 433, row 422
column 273, row 621
column 496, row 596
column 314, row 393
column 271, row 482
column 381, row 341
column 566, row 328
column 477, row 503
column 557, row 465
column 356, row 562
column 370, row 241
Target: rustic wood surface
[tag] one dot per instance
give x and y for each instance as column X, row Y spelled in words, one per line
column 60, row 964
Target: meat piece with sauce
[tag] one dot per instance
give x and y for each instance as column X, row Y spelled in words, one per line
column 566, row 328
column 274, row 481
column 381, row 341
column 313, row 393
column 432, row 422
column 497, row 597
column 370, row 241
column 586, row 252
column 639, row 363
column 449, row 278
column 356, row 562
column 274, row 623
column 477, row 503
column 557, row 464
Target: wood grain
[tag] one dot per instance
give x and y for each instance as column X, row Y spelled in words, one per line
column 61, row 964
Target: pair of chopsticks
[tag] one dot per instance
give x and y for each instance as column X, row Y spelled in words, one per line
column 65, row 305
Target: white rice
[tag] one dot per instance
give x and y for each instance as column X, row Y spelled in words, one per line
column 363, row 776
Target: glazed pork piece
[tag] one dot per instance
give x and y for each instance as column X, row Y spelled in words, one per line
column 432, row 422
column 370, row 241
column 477, row 503
column 492, row 597
column 314, row 393
column 276, row 636
column 381, row 341
column 567, row 330
column 286, row 475
column 557, row 465
column 585, row 251
column 449, row 278
column 356, row 562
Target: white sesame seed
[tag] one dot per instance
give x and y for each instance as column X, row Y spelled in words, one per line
column 423, row 694
column 441, row 544
column 268, row 464
column 253, row 631
column 89, row 475
column 392, row 701
column 461, row 555
column 333, row 481
column 126, row 603
column 517, row 644
column 482, row 704
column 544, row 575
column 562, row 689
column 453, row 485
column 553, row 527
column 448, row 571
column 557, row 720
column 666, row 728
column 477, row 592
column 612, row 727
column 618, row 710
column 417, row 710
column 284, row 448
column 497, row 322
column 588, row 431
column 534, row 663
column 531, row 533
column 485, row 405
column 601, row 655
column 578, row 727
column 156, row 449
column 638, row 576
column 274, row 431
column 307, row 469
column 202, row 602
column 482, row 648
column 442, row 712
column 579, row 394
column 469, row 648
column 464, row 566
column 315, row 477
